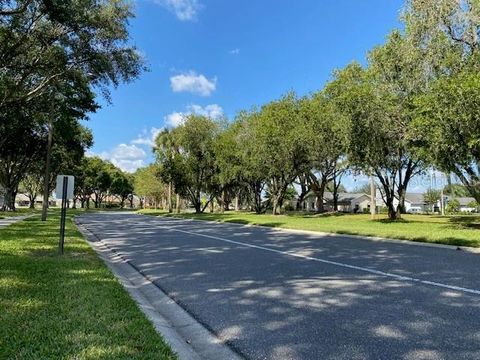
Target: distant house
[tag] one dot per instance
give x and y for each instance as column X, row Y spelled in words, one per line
column 23, row 200
column 360, row 202
column 465, row 204
column 415, row 203
column 346, row 202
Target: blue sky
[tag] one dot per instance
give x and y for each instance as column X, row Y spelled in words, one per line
column 220, row 56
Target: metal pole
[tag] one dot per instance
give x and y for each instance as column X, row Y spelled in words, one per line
column 63, row 214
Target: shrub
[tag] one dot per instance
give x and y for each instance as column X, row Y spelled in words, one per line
column 453, row 206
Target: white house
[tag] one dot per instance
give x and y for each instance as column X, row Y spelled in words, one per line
column 347, row 202
column 465, row 204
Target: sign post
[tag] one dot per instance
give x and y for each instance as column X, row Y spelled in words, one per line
column 64, row 191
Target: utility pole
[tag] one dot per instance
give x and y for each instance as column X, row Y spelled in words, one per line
column 373, row 195
column 46, row 181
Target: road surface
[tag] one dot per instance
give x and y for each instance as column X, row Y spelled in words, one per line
column 272, row 294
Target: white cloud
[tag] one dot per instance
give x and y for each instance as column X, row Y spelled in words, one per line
column 127, row 157
column 147, row 138
column 191, row 82
column 177, row 118
column 213, row 111
column 234, row 51
column 185, row 10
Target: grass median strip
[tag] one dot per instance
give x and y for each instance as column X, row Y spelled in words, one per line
column 69, row 307
column 461, row 230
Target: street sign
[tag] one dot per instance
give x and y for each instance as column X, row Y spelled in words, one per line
column 59, row 187
column 64, row 191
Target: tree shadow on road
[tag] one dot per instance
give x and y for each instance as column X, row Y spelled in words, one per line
column 269, row 305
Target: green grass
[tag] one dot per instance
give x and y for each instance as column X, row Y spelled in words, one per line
column 66, row 307
column 451, row 230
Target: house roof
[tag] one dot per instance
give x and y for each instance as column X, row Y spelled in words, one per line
column 465, row 201
column 414, row 198
column 344, row 197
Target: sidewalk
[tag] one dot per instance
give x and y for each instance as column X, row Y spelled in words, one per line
column 11, row 220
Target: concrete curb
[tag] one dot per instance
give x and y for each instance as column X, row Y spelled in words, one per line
column 321, row 233
column 187, row 337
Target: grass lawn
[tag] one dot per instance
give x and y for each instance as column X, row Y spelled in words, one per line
column 69, row 307
column 452, row 230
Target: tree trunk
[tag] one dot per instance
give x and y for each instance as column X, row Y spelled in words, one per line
column 392, row 212
column 237, row 203
column 401, row 201
column 178, row 204
column 275, row 206
column 31, row 199
column 319, row 201
column 198, row 207
column 9, row 200
column 169, row 197
column 47, row 172
column 225, row 202
column 257, row 188
column 373, row 202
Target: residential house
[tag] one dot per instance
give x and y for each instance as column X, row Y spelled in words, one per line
column 346, row 202
column 465, row 204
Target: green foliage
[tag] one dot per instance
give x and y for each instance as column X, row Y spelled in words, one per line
column 122, row 185
column 279, row 141
column 55, row 55
column 456, row 190
column 96, row 178
column 448, row 127
column 446, row 115
column 148, row 184
column 453, row 206
column 187, row 157
column 474, row 204
column 60, row 41
column 431, row 196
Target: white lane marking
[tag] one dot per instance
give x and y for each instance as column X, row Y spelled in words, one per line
column 354, row 267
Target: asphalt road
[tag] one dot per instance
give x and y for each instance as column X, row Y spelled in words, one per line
column 277, row 295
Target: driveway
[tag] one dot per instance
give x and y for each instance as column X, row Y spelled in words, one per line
column 273, row 294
